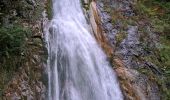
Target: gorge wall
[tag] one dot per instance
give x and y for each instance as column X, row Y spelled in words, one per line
column 128, row 38
column 119, row 33
column 26, row 81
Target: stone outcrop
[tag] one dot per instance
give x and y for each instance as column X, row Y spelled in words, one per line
column 95, row 22
column 135, row 85
column 126, row 56
column 29, row 82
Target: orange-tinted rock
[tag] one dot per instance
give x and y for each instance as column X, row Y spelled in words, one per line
column 135, row 85
column 99, row 34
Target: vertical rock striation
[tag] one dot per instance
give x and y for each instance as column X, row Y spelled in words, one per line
column 119, row 36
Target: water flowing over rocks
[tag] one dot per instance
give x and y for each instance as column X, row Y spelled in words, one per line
column 117, row 33
column 77, row 67
column 135, row 85
column 95, row 22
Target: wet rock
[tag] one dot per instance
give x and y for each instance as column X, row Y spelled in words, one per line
column 86, row 1
column 135, row 86
column 98, row 32
column 128, row 55
column 106, row 24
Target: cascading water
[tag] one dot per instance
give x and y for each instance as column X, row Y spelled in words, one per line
column 77, row 67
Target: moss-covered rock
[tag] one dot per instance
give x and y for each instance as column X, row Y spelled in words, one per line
column 25, row 41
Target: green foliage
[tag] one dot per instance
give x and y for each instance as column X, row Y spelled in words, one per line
column 12, row 51
column 12, row 46
column 161, row 58
column 120, row 37
column 49, row 9
column 157, row 12
column 84, row 5
column 11, row 40
column 165, row 54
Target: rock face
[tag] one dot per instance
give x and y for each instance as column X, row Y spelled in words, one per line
column 114, row 29
column 95, row 22
column 28, row 83
column 121, row 42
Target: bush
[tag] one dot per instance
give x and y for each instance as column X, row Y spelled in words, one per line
column 12, row 44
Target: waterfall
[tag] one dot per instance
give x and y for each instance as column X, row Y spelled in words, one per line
column 77, row 66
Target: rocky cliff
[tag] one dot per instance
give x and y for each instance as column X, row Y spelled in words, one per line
column 129, row 40
column 27, row 80
column 125, row 29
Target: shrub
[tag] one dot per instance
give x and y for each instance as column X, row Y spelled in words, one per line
column 12, row 46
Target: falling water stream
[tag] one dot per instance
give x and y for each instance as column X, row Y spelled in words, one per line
column 77, row 67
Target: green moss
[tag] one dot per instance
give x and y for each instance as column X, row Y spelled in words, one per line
column 49, row 9
column 12, row 51
column 165, row 53
column 12, row 40
column 85, row 5
column 157, row 11
column 120, row 37
column 161, row 58
column 107, row 9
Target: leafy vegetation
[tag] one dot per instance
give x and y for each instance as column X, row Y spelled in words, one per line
column 12, row 40
column 120, row 37
column 158, row 12
column 165, row 61
column 12, row 51
column 17, row 44
column 49, row 9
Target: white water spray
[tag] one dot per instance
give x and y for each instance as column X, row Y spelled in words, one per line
column 77, row 67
